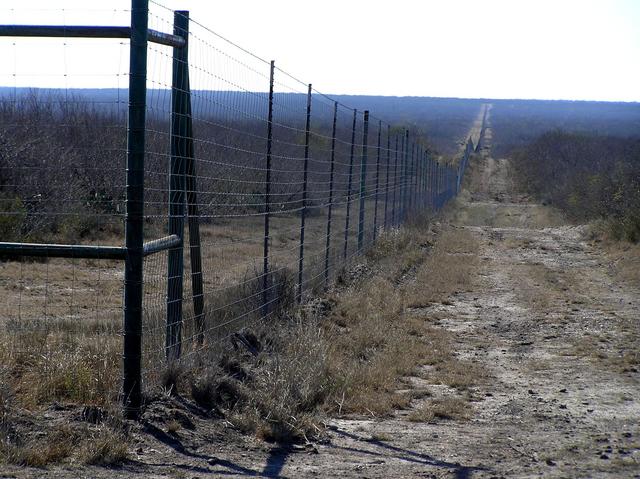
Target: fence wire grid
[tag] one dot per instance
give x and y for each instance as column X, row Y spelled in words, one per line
column 258, row 190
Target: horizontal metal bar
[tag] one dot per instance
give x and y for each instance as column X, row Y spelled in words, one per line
column 62, row 250
column 166, row 39
column 64, row 31
column 161, row 244
column 80, row 31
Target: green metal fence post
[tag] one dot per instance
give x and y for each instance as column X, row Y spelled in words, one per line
column 267, row 198
column 363, row 180
column 345, row 253
column 303, row 210
column 179, row 153
column 133, row 275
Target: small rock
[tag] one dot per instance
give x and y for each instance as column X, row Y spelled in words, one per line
column 550, row 462
column 212, row 461
column 531, row 391
column 604, row 456
column 563, row 406
column 563, row 390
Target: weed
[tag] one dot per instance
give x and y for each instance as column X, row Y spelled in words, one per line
column 451, row 408
column 105, row 447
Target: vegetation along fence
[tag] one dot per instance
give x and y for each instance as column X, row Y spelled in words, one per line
column 212, row 191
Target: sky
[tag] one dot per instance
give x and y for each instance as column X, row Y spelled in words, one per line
column 542, row 49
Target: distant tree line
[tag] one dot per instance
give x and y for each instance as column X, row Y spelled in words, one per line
column 63, row 172
column 516, row 123
column 587, row 176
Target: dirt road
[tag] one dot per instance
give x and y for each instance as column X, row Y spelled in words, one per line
column 558, row 337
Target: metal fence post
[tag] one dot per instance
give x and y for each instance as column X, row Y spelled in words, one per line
column 451, row 180
column 386, row 187
column 405, row 176
column 436, row 184
column 179, row 153
column 303, row 211
column 363, row 179
column 418, row 166
column 419, row 158
column 327, row 248
column 195, row 252
column 423, row 177
column 412, row 177
column 446, row 184
column 459, row 177
column 267, row 198
column 429, row 182
column 440, row 184
column 420, row 177
column 425, row 180
column 375, row 204
column 402, row 179
column 395, row 184
column 351, row 155
column 133, row 275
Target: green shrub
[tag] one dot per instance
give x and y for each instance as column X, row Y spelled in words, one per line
column 12, row 216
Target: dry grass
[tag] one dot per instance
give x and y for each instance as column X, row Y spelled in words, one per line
column 449, row 407
column 272, row 389
column 379, row 436
column 63, row 317
column 613, row 352
column 447, row 270
column 105, row 447
column 625, row 259
column 456, row 373
column 64, row 442
column 372, row 342
column 59, row 365
column 376, row 340
column 344, row 354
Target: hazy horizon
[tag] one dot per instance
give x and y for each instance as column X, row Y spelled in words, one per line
column 330, row 94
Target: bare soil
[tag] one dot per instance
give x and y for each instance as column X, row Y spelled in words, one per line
column 547, row 320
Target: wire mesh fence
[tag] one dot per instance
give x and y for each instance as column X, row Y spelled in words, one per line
column 62, row 164
column 226, row 187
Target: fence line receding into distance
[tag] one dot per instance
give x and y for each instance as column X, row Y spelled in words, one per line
column 213, row 191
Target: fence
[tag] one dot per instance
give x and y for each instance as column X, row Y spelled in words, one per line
column 251, row 188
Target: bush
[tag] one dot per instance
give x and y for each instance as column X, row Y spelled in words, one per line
column 12, row 216
column 589, row 177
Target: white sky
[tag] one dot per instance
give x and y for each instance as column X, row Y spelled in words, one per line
column 543, row 49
